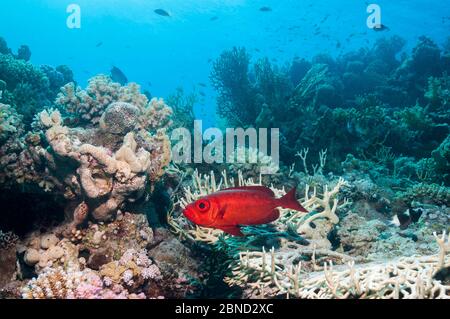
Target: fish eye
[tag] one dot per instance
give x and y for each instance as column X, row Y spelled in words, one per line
column 203, row 205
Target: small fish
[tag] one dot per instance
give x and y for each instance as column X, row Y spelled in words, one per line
column 214, row 18
column 118, row 76
column 381, row 27
column 406, row 218
column 202, row 93
column 202, row 84
column 265, row 9
column 148, row 94
column 99, row 44
column 325, row 18
column 230, row 208
column 442, row 274
column 162, row 12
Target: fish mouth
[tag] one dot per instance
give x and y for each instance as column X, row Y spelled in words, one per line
column 190, row 215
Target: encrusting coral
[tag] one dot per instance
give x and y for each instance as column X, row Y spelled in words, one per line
column 115, row 159
column 117, row 260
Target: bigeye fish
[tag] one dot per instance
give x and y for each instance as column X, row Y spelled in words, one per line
column 230, row 208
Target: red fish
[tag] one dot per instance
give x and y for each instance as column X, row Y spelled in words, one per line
column 230, row 208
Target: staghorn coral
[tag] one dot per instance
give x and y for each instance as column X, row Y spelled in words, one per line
column 267, row 275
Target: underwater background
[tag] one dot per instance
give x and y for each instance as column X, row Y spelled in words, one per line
column 92, row 201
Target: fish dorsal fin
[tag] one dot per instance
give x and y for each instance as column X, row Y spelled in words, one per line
column 262, row 189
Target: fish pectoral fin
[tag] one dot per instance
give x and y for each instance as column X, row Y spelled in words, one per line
column 232, row 230
column 222, row 211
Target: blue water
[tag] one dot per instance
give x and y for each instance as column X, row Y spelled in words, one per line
column 163, row 53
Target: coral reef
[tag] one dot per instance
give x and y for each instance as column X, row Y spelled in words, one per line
column 362, row 102
column 295, row 255
column 118, row 260
column 8, row 242
column 402, row 278
column 55, row 283
column 364, row 139
column 26, row 87
column 99, row 167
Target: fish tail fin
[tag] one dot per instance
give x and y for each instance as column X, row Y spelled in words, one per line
column 290, row 201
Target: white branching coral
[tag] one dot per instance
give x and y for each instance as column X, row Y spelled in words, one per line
column 322, row 208
column 271, row 274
